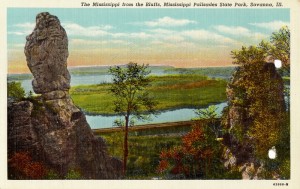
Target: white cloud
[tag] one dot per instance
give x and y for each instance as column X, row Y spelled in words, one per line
column 189, row 37
column 99, row 31
column 22, row 29
column 168, row 22
column 74, row 29
column 26, row 25
column 141, row 35
column 84, row 42
column 208, row 36
column 102, row 35
column 137, row 35
column 239, row 31
column 95, row 43
column 91, row 31
column 71, row 28
column 19, row 33
column 233, row 30
column 161, row 31
column 275, row 25
column 107, row 27
column 166, row 35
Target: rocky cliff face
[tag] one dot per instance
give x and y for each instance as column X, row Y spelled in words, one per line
column 51, row 127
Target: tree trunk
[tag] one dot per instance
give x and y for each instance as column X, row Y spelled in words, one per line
column 125, row 145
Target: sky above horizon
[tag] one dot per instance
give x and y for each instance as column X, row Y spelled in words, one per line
column 174, row 37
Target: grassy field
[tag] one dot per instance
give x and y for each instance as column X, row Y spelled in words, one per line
column 171, row 92
column 144, row 150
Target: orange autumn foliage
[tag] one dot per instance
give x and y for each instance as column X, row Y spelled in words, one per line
column 23, row 167
column 191, row 159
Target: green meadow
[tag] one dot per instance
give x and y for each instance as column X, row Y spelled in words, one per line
column 144, row 148
column 171, row 92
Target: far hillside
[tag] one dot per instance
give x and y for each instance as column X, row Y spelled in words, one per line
column 218, row 72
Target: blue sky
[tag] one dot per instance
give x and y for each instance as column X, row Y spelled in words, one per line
column 176, row 37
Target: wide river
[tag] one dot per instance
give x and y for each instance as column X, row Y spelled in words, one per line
column 184, row 114
column 100, row 121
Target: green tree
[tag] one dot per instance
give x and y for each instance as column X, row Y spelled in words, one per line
column 248, row 55
column 15, row 91
column 131, row 97
column 279, row 48
column 259, row 92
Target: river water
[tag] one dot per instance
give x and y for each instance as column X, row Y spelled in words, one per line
column 184, row 114
column 75, row 80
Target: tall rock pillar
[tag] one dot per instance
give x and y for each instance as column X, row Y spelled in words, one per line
column 59, row 133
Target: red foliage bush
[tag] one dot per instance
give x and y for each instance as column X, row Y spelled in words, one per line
column 19, row 160
column 191, row 159
column 21, row 166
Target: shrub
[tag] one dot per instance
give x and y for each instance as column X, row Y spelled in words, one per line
column 198, row 156
column 35, row 170
column 73, row 175
column 21, row 166
column 52, row 175
column 15, row 91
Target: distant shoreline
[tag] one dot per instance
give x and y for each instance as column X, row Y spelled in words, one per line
column 107, row 66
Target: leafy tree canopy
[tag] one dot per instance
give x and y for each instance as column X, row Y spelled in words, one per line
column 278, row 47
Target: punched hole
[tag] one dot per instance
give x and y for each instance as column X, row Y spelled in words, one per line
column 278, row 63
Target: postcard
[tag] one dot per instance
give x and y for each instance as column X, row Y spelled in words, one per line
column 144, row 94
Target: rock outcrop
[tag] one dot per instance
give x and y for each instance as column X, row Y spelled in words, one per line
column 256, row 101
column 51, row 127
column 46, row 53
